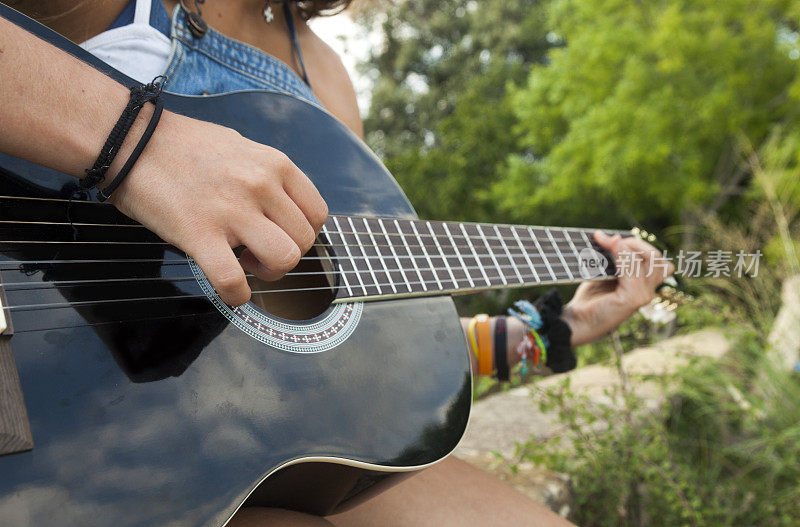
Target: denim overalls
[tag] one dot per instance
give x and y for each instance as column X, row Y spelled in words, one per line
column 214, row 63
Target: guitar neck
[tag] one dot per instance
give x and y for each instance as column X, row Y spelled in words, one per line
column 393, row 258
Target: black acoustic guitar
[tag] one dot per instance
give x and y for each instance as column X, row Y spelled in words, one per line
column 131, row 395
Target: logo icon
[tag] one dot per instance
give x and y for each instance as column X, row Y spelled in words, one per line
column 591, row 263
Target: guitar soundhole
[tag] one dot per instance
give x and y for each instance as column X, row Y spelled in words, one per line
column 302, row 294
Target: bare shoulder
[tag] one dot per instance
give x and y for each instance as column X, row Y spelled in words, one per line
column 331, row 82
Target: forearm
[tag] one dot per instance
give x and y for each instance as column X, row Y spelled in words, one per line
column 56, row 111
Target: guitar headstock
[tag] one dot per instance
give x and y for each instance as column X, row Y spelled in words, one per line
column 669, row 295
column 643, row 234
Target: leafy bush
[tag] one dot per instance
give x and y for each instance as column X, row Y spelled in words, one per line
column 724, row 451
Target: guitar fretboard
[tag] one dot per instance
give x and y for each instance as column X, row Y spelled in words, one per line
column 381, row 257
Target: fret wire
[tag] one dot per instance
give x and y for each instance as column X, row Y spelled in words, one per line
column 349, row 254
column 458, row 254
column 446, row 291
column 586, row 239
column 491, row 254
column 444, row 257
column 525, row 253
column 574, row 250
column 588, row 244
column 394, row 253
column 344, row 276
column 475, row 254
column 510, row 259
column 364, row 253
column 558, row 251
column 427, row 256
column 413, row 260
column 383, row 261
column 541, row 252
column 563, row 229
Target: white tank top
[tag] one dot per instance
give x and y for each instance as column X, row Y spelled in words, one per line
column 138, row 50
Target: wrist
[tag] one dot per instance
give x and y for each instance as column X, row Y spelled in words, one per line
column 135, row 133
column 575, row 319
column 89, row 140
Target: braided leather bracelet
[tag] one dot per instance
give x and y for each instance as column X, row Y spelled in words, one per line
column 140, row 95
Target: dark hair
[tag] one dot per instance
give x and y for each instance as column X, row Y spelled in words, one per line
column 311, row 8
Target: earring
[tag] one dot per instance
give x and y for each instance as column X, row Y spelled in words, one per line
column 269, row 16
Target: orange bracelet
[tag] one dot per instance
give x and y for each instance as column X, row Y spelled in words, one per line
column 485, row 355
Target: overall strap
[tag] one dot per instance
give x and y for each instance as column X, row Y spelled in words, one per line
column 142, row 13
column 287, row 12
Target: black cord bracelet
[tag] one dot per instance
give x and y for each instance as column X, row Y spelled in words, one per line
column 560, row 356
column 139, row 96
column 501, row 348
column 104, row 194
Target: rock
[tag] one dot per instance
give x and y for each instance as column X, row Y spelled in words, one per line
column 500, row 421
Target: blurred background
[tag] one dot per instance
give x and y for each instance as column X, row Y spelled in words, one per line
column 677, row 116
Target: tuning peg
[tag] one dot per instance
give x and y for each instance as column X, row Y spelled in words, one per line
column 643, row 234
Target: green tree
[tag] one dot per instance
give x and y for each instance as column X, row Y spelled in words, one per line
column 439, row 115
column 637, row 119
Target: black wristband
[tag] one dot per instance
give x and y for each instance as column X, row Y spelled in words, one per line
column 139, row 96
column 104, row 194
column 501, row 348
column 560, row 356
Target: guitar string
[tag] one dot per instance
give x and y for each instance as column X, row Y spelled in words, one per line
column 559, row 245
column 14, row 265
column 519, row 240
column 422, row 236
column 467, row 250
column 48, row 306
column 21, row 286
column 361, row 218
column 569, row 254
column 566, row 254
column 208, row 312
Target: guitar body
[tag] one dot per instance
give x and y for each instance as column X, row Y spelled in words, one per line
column 148, row 406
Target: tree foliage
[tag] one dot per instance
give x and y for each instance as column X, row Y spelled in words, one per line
column 579, row 111
column 642, row 109
column 440, row 116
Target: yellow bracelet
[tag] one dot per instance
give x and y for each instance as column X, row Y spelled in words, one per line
column 471, row 335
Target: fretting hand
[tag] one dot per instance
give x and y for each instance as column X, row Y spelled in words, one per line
column 598, row 307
